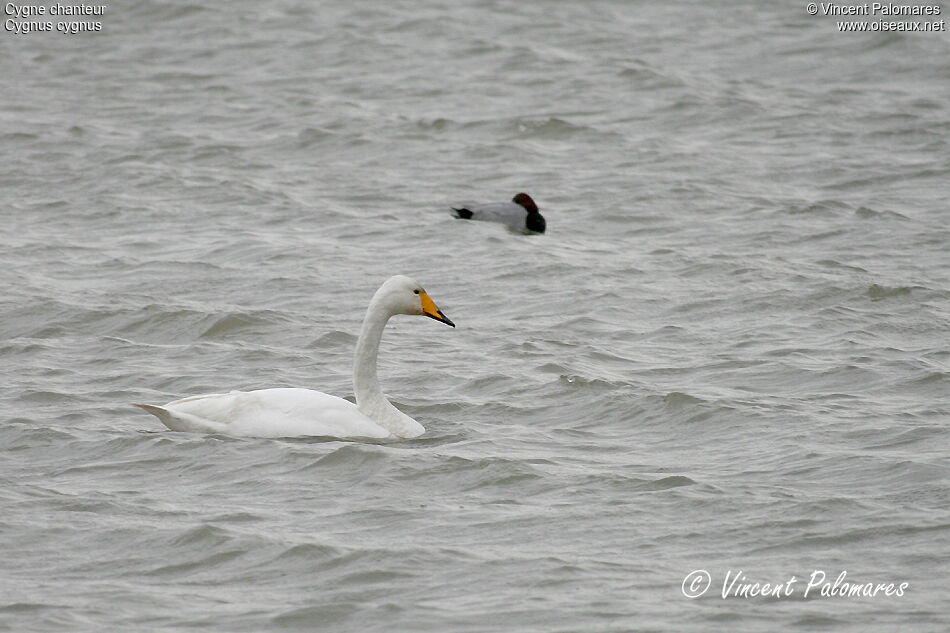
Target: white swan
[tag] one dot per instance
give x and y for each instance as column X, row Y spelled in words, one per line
column 292, row 412
column 521, row 213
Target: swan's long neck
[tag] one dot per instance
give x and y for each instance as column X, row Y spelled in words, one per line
column 365, row 382
column 369, row 397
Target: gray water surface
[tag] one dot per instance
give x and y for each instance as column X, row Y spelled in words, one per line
column 728, row 353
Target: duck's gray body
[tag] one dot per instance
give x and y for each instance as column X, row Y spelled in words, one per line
column 521, row 213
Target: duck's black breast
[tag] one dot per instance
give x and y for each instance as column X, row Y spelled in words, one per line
column 535, row 222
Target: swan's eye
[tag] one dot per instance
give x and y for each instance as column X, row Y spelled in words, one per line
column 416, row 291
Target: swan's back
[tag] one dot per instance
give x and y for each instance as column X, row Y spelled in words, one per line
column 282, row 412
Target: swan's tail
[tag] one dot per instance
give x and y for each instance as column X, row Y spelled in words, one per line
column 162, row 414
column 463, row 213
column 178, row 421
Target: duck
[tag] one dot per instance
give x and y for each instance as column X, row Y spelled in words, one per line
column 521, row 213
column 298, row 412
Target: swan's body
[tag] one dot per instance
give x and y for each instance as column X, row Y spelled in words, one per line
column 293, row 412
column 288, row 412
column 521, row 213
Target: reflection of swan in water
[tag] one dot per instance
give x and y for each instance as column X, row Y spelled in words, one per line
column 293, row 412
column 521, row 213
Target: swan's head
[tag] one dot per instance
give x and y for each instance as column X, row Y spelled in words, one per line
column 402, row 295
column 525, row 200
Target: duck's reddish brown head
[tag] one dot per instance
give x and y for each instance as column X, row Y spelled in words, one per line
column 525, row 200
